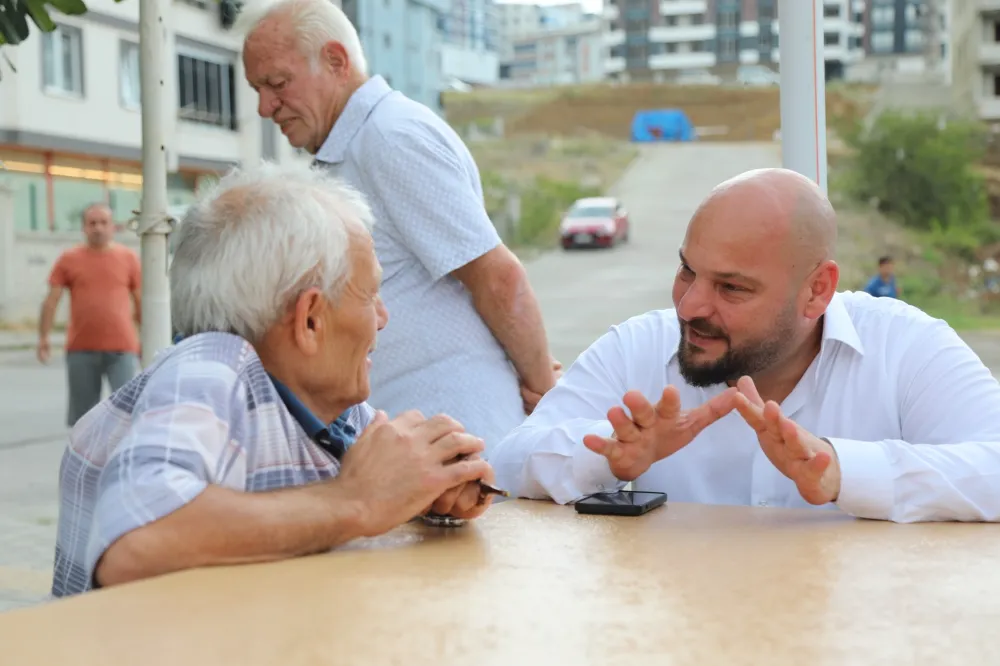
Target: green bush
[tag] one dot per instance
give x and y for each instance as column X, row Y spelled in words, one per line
column 921, row 170
column 542, row 206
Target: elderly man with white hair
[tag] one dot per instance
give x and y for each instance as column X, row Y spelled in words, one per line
column 467, row 336
column 240, row 443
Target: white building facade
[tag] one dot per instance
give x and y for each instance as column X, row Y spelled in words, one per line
column 70, row 125
column 659, row 40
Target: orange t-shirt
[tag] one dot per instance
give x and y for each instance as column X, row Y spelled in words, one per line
column 100, row 284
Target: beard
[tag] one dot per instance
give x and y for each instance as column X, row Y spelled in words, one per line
column 751, row 357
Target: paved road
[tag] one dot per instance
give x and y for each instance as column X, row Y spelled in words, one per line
column 585, row 292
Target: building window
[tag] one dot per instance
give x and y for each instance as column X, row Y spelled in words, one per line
column 62, row 56
column 914, row 40
column 764, row 42
column 883, row 15
column 831, row 39
column 882, row 42
column 727, row 49
column 128, row 76
column 207, row 91
column 831, row 11
column 729, row 19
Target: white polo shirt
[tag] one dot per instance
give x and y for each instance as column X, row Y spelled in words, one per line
column 912, row 412
column 436, row 353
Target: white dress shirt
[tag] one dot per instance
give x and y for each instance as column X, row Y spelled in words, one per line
column 912, row 412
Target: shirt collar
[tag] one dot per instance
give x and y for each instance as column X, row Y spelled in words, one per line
column 340, row 431
column 356, row 112
column 837, row 327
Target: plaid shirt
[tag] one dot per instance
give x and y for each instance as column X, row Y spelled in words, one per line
column 206, row 411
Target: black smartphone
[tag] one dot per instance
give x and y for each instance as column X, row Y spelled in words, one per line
column 620, row 503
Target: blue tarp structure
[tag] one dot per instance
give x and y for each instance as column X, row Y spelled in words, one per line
column 662, row 125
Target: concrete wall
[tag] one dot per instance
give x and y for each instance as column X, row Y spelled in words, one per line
column 26, row 259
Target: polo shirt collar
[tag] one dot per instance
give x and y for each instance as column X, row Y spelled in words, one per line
column 340, row 433
column 356, row 112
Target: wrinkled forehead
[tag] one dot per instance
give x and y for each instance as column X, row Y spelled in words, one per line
column 271, row 47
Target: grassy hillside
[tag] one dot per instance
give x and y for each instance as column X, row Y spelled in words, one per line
column 749, row 114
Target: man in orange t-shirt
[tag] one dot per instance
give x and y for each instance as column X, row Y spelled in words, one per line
column 103, row 279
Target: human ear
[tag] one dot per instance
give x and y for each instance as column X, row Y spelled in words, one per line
column 822, row 286
column 307, row 321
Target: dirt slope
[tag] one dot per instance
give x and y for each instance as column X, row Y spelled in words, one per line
column 750, row 114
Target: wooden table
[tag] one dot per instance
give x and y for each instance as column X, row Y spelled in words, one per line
column 535, row 583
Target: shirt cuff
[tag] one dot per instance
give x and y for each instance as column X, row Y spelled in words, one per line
column 866, row 483
column 591, row 472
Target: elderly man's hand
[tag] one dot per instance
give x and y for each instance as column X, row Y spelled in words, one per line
column 464, row 501
column 530, row 398
column 399, row 468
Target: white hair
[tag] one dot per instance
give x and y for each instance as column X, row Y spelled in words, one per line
column 315, row 22
column 256, row 241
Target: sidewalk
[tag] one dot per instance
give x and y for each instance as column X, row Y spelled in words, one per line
column 21, row 340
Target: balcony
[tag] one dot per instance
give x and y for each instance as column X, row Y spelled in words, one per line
column 613, row 38
column 682, row 33
column 683, row 7
column 614, row 65
column 697, row 60
column 989, row 53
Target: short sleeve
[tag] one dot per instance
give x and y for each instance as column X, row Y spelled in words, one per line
column 433, row 201
column 59, row 276
column 178, row 438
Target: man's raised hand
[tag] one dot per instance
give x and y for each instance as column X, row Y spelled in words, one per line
column 654, row 432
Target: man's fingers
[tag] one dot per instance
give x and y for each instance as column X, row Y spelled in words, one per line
column 792, row 439
column 643, row 413
column 598, row 444
column 466, row 471
column 751, row 413
column 713, row 410
column 669, row 405
column 455, row 444
column 446, row 503
column 749, row 389
column 623, row 425
column 437, row 427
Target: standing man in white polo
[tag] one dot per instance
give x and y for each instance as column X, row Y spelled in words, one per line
column 466, row 336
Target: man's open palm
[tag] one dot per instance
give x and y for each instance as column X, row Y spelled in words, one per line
column 654, row 431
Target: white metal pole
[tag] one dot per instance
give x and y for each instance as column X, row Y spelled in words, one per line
column 153, row 220
column 803, row 88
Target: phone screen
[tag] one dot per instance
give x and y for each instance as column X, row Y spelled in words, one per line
column 622, row 497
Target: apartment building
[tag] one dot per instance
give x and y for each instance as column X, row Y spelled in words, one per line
column 70, row 128
column 402, row 40
column 657, row 40
column 558, row 56
column 471, row 41
column 975, row 63
column 517, row 20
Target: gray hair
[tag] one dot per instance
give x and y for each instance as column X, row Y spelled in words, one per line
column 258, row 239
column 316, row 22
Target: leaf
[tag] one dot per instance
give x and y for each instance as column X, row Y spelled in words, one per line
column 13, row 26
column 69, row 7
column 40, row 15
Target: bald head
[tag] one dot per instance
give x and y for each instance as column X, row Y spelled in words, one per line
column 779, row 209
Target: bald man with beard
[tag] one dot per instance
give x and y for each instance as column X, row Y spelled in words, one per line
column 765, row 386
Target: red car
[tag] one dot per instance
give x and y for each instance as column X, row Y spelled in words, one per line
column 596, row 222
